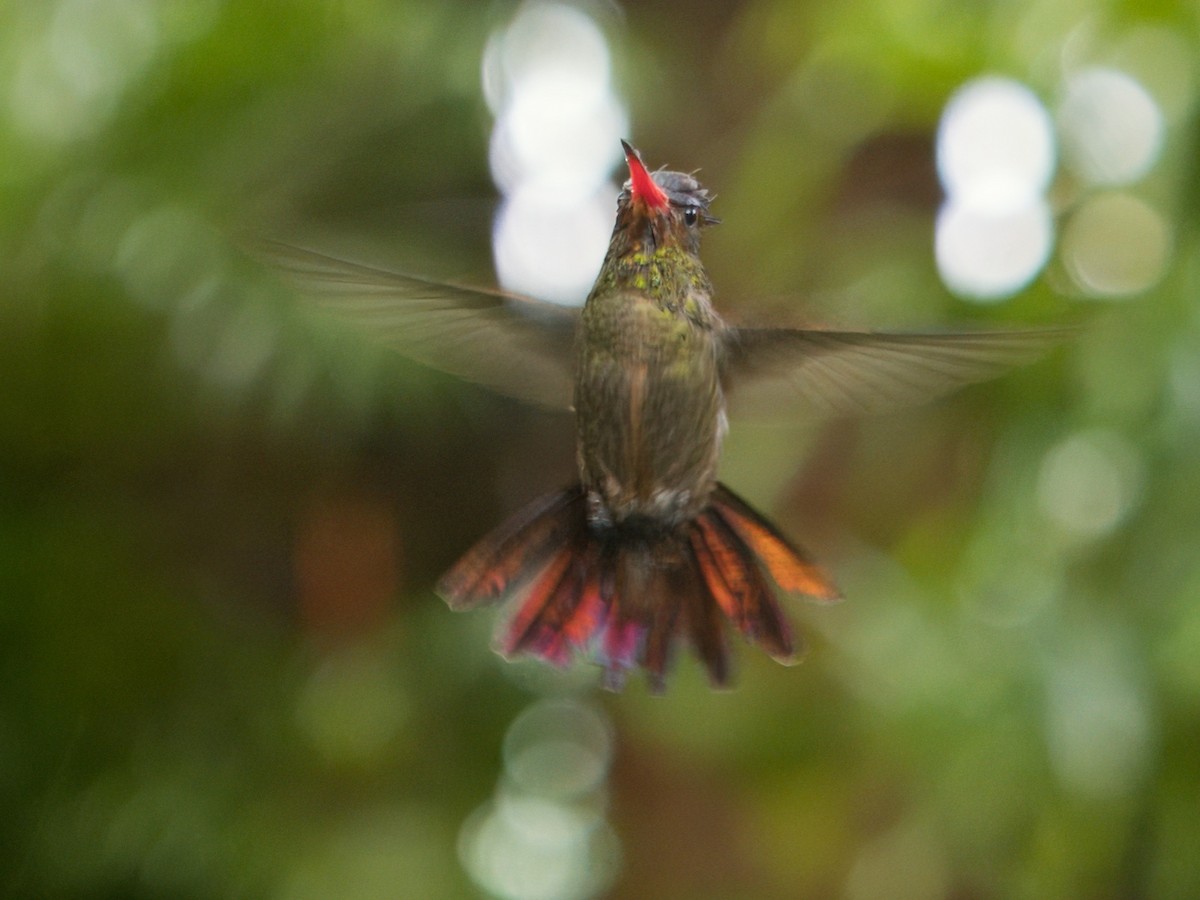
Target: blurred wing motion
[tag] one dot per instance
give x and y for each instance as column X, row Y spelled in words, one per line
column 771, row 371
column 516, row 345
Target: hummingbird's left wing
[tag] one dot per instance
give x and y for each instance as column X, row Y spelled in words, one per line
column 513, row 344
column 836, row 372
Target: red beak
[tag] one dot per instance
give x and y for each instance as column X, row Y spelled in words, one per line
column 643, row 186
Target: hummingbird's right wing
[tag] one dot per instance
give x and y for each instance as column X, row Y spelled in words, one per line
column 773, row 370
column 516, row 345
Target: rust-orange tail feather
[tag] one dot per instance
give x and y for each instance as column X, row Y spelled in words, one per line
column 624, row 593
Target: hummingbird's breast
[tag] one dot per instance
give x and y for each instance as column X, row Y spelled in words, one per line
column 650, row 413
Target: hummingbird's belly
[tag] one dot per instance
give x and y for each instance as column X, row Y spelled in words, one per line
column 650, row 431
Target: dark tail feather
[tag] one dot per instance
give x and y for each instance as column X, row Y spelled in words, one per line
column 704, row 623
column 623, row 594
column 508, row 556
column 664, row 603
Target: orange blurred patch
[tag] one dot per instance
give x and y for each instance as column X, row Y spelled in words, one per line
column 347, row 561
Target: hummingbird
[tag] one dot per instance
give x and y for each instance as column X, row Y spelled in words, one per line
column 648, row 549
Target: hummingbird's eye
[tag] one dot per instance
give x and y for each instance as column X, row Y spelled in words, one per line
column 691, row 215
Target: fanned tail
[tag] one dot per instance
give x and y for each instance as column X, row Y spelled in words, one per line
column 624, row 593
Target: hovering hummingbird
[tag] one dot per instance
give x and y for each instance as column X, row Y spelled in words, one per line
column 647, row 547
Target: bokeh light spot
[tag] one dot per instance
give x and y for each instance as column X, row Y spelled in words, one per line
column 1112, row 129
column 550, row 248
column 558, row 748
column 353, row 706
column 545, row 40
column 69, row 83
column 995, row 146
column 557, row 131
column 1090, row 482
column 989, row 257
column 97, row 46
column 996, row 155
column 525, row 848
column 169, row 257
column 545, row 836
column 245, row 347
column 1115, row 244
column 558, row 123
column 1098, row 726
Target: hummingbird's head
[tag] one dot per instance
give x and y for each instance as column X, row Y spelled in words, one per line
column 661, row 209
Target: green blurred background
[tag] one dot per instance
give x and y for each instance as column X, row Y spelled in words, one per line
column 223, row 671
